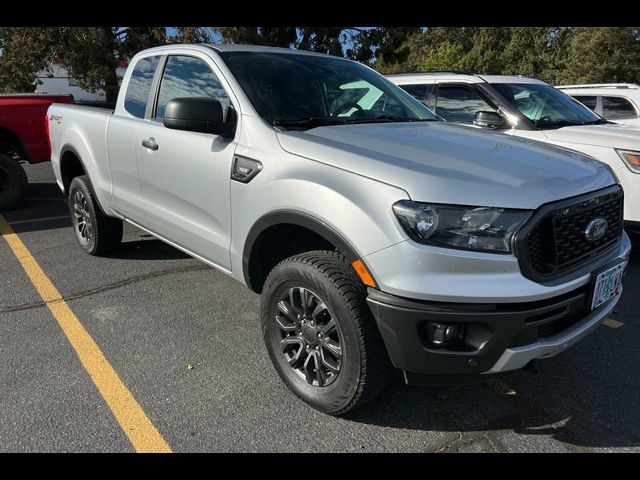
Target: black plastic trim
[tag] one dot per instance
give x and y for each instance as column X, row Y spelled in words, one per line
column 633, row 227
column 301, row 219
column 520, row 247
column 69, row 148
column 503, row 326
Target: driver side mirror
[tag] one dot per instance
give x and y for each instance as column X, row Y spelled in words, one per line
column 491, row 120
column 198, row 114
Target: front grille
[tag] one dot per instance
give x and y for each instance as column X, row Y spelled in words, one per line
column 556, row 243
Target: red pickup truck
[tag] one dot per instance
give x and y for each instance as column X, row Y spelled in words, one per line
column 23, row 138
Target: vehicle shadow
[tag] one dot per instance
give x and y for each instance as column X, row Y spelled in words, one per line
column 147, row 248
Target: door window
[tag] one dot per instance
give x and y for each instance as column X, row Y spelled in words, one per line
column 457, row 103
column 135, row 101
column 424, row 93
column 188, row 77
column 587, row 100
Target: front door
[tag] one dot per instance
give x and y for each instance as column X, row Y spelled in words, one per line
column 185, row 175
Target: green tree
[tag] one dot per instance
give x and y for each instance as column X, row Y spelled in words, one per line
column 25, row 52
column 601, row 54
column 91, row 54
column 485, row 54
column 386, row 48
column 270, row 36
column 532, row 52
column 316, row 39
column 193, row 35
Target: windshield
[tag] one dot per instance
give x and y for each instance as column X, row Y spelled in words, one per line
column 545, row 106
column 304, row 91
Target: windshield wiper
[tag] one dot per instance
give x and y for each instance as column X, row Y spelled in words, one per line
column 312, row 122
column 387, row 117
column 309, row 122
column 566, row 123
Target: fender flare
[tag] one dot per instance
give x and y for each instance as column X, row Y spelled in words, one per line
column 301, row 219
column 70, row 148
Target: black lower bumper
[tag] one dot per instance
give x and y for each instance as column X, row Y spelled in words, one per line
column 489, row 329
column 632, row 227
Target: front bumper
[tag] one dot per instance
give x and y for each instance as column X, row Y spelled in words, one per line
column 632, row 227
column 498, row 336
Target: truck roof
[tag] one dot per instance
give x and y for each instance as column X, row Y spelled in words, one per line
column 468, row 77
column 223, row 47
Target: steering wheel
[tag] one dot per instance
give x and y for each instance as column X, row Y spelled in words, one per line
column 345, row 106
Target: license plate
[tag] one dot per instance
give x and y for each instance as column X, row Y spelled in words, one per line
column 608, row 284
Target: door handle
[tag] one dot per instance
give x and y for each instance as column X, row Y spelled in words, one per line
column 150, row 143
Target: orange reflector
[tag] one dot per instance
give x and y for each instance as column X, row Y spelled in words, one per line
column 363, row 273
column 633, row 159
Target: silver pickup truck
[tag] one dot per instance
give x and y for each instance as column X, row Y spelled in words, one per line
column 378, row 236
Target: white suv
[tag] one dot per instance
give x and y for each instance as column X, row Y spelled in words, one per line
column 525, row 107
column 618, row 102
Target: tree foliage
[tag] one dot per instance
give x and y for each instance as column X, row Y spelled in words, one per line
column 25, row 52
column 552, row 54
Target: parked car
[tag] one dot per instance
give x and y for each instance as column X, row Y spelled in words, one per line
column 23, row 138
column 618, row 102
column 377, row 236
column 529, row 108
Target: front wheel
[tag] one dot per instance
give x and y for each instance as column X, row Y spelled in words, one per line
column 320, row 334
column 96, row 233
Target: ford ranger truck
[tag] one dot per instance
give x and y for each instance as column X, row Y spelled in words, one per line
column 23, row 138
column 379, row 237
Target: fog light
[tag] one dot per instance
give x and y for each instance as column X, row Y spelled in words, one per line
column 444, row 334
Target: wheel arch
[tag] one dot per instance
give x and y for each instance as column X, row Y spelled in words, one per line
column 272, row 224
column 11, row 141
column 71, row 166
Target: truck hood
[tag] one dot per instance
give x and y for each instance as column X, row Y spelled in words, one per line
column 608, row 135
column 444, row 163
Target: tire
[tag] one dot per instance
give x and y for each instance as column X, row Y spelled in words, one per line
column 96, row 233
column 334, row 384
column 13, row 182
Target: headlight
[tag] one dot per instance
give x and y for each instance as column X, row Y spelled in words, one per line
column 631, row 159
column 475, row 228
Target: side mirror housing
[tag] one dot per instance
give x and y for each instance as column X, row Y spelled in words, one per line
column 198, row 114
column 491, row 120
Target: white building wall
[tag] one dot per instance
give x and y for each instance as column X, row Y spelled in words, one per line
column 56, row 80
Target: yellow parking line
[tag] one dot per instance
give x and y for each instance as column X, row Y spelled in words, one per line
column 41, row 219
column 610, row 322
column 136, row 425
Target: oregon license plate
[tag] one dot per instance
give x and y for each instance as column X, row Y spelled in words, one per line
column 607, row 285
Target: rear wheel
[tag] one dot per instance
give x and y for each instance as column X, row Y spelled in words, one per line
column 13, row 182
column 320, row 334
column 96, row 233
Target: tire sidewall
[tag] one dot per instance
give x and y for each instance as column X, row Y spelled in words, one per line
column 77, row 184
column 338, row 394
column 17, row 184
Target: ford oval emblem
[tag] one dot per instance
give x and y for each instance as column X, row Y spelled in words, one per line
column 596, row 229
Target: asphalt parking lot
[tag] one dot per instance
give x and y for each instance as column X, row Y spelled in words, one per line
column 185, row 341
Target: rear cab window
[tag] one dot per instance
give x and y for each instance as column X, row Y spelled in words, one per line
column 617, row 108
column 137, row 96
